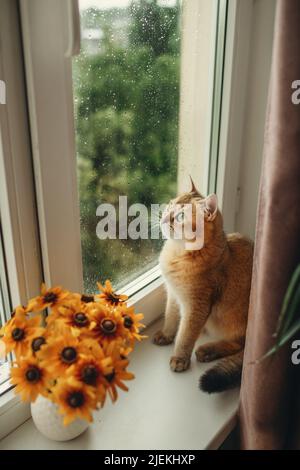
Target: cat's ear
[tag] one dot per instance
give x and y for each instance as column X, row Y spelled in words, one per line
column 193, row 188
column 211, row 206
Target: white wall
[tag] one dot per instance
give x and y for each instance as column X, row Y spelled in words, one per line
column 254, row 122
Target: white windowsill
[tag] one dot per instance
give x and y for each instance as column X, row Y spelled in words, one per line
column 162, row 410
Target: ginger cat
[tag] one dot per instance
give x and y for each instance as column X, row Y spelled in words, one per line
column 208, row 287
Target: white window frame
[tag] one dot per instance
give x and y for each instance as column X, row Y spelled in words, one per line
column 196, row 96
column 17, row 198
column 48, row 50
column 237, row 58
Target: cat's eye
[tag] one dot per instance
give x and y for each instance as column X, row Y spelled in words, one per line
column 179, row 217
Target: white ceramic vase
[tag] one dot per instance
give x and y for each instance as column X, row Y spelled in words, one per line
column 50, row 423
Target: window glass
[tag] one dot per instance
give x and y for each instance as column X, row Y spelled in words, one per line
column 4, row 295
column 126, row 93
column 4, row 311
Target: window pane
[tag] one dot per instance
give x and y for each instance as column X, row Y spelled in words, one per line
column 4, row 307
column 4, row 295
column 126, row 89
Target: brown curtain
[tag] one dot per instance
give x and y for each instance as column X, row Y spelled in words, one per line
column 270, row 392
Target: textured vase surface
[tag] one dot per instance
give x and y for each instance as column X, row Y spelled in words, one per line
column 50, row 423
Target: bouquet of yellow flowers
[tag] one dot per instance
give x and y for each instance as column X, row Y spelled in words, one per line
column 75, row 355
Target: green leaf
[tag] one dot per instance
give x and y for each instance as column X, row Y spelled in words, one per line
column 291, row 297
column 284, row 339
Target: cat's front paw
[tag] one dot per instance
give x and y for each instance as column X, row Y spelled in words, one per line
column 161, row 339
column 179, row 364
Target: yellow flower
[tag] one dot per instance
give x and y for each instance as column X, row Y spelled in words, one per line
column 69, row 313
column 92, row 368
column 109, row 295
column 49, row 298
column 118, row 373
column 51, row 318
column 107, row 325
column 86, row 298
column 74, row 316
column 19, row 312
column 29, row 378
column 37, row 339
column 131, row 322
column 75, row 400
column 124, row 352
column 60, row 352
column 18, row 332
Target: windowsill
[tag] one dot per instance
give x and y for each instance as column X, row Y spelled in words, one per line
column 162, row 410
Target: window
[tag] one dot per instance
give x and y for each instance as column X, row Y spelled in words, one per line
column 20, row 264
column 4, row 296
column 4, row 315
column 126, row 92
column 130, row 140
column 139, row 99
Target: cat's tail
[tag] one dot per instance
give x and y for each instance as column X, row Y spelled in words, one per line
column 224, row 375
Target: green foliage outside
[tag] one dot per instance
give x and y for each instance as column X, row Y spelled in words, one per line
column 126, row 106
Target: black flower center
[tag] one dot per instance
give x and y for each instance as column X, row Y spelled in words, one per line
column 114, row 298
column 108, row 326
column 37, row 343
column 50, row 298
column 87, row 298
column 33, row 374
column 76, row 399
column 18, row 334
column 69, row 355
column 128, row 322
column 90, row 374
column 80, row 319
column 110, row 377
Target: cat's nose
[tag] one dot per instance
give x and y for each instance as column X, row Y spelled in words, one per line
column 168, row 218
column 165, row 218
